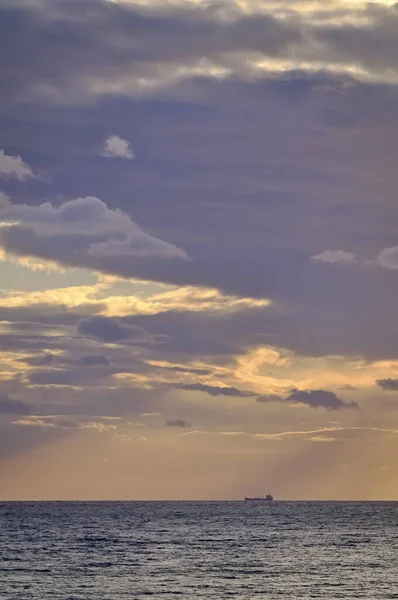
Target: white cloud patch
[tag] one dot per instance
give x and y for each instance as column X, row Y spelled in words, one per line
column 14, row 166
column 135, row 244
column 117, row 147
column 78, row 232
column 334, row 256
column 101, row 424
column 388, row 258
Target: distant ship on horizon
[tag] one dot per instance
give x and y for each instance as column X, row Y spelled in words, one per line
column 267, row 498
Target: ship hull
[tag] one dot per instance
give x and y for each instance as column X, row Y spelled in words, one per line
column 267, row 500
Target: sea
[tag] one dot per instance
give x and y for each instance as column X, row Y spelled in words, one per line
column 192, row 550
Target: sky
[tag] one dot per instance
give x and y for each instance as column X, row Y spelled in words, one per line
column 198, row 249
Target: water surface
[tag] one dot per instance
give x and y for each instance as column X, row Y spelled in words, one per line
column 191, row 550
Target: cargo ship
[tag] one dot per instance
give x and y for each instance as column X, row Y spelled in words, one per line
column 267, row 498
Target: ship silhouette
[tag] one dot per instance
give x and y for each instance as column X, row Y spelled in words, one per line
column 267, row 498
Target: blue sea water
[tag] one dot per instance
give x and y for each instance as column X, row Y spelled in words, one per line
column 191, row 550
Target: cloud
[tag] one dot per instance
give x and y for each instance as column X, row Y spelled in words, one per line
column 388, row 385
column 177, row 423
column 79, row 233
column 334, row 256
column 117, row 147
column 250, row 180
column 348, row 388
column 319, row 399
column 14, row 166
column 265, row 399
column 305, row 299
column 388, row 258
column 98, row 57
column 13, row 407
column 107, row 329
column 42, row 360
column 312, row 435
column 213, row 390
column 66, row 377
column 179, row 369
column 135, row 245
column 101, row 424
column 191, row 298
column 93, row 360
column 311, row 398
column 102, row 298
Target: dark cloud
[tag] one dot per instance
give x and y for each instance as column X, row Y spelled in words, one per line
column 71, row 372
column 14, row 407
column 388, row 385
column 177, row 423
column 319, row 399
column 312, row 398
column 91, row 370
column 205, row 334
column 213, row 390
column 41, row 360
column 69, row 44
column 91, row 397
column 109, row 329
column 66, row 43
column 68, row 377
column 9, row 342
column 371, row 46
column 94, row 360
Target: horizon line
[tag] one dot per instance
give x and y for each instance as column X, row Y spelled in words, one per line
column 194, row 501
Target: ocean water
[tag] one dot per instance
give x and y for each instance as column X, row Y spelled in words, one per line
column 191, row 550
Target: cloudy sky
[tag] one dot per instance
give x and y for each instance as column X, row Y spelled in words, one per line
column 198, row 249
